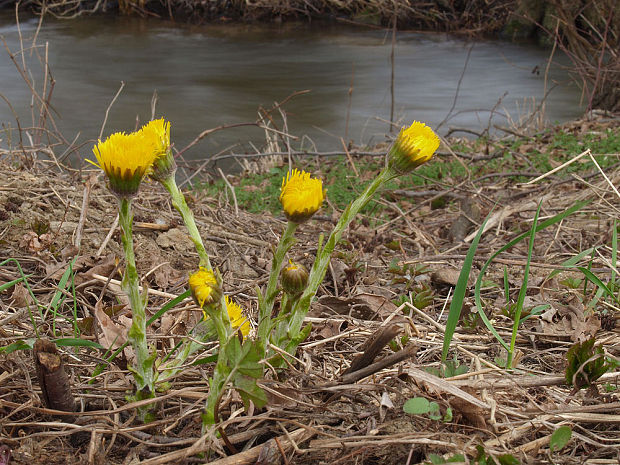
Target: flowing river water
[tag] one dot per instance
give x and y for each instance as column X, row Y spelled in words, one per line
column 212, row 75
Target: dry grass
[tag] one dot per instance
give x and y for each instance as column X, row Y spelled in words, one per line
column 316, row 412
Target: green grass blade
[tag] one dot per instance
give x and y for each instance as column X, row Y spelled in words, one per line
column 77, row 342
column 10, row 284
column 459, row 292
column 27, row 286
column 570, row 262
column 506, row 286
column 173, row 303
column 597, row 282
column 523, row 290
column 62, row 285
column 544, row 224
column 59, row 295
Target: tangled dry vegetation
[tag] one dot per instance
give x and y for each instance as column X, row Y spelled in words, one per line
column 339, row 402
column 471, row 16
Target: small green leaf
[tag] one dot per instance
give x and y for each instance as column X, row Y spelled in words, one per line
column 434, row 413
column 244, row 358
column 436, row 459
column 77, row 342
column 249, row 391
column 205, row 360
column 26, row 344
column 447, row 418
column 417, row 406
column 507, row 459
column 560, row 438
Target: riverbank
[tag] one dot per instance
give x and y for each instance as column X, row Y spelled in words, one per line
column 473, row 16
column 395, row 267
column 586, row 31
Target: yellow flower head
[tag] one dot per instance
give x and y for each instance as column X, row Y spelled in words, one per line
column 158, row 133
column 413, row 146
column 237, row 319
column 125, row 159
column 301, row 196
column 204, row 286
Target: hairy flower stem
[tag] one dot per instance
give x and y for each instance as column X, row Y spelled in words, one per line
column 220, row 373
column 264, row 312
column 143, row 371
column 178, row 201
column 319, row 268
column 187, row 348
column 202, row 333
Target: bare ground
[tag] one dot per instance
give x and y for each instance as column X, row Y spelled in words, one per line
column 317, row 413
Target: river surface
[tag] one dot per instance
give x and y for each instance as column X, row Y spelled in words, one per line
column 207, row 76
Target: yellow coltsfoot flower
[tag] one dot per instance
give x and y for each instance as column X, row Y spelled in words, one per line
column 158, row 133
column 125, row 159
column 414, row 146
column 237, row 319
column 204, row 287
column 301, row 196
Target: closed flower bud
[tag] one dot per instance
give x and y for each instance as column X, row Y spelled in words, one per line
column 294, row 278
column 158, row 132
column 414, row 146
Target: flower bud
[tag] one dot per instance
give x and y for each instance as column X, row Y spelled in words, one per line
column 294, row 278
column 414, row 146
column 158, row 132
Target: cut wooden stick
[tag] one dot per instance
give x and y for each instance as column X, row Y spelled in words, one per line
column 53, row 379
column 375, row 344
column 380, row 365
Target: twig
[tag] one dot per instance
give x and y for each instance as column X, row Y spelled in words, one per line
column 611, row 184
column 557, row 168
column 392, row 75
column 108, row 237
column 80, row 227
column 151, row 291
column 353, row 167
column 250, row 456
column 350, row 101
column 231, row 188
column 458, row 89
column 107, row 110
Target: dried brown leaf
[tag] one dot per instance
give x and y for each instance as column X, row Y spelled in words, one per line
column 112, row 334
column 20, row 296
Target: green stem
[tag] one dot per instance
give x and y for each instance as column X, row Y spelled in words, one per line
column 218, row 382
column 264, row 313
column 130, row 284
column 319, row 268
column 178, row 201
